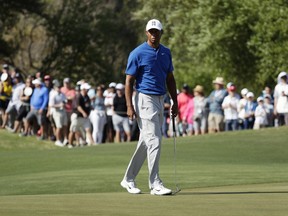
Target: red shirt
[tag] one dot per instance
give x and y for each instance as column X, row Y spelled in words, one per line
column 70, row 95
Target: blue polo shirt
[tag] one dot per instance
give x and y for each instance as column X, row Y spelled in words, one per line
column 150, row 67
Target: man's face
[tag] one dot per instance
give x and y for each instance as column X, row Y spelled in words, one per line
column 154, row 36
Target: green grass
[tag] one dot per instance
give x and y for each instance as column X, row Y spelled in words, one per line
column 237, row 173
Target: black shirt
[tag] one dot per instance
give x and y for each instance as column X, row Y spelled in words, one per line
column 84, row 103
column 120, row 107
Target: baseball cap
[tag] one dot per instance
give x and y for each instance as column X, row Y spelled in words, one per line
column 36, row 82
column 47, row 77
column 154, row 24
column 112, row 85
column 56, row 83
column 260, row 99
column 185, row 86
column 119, row 86
column 249, row 94
column 5, row 66
column 85, row 86
column 244, row 91
column 66, row 80
column 4, row 77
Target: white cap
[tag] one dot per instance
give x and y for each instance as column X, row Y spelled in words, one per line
column 36, row 82
column 85, row 86
column 4, row 77
column 249, row 94
column 154, row 24
column 244, row 91
column 112, row 85
column 260, row 99
column 119, row 86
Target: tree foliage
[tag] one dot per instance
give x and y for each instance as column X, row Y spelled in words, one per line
column 243, row 41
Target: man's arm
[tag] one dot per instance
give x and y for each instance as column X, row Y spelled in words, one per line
column 128, row 94
column 171, row 85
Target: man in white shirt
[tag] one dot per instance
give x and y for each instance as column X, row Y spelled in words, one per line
column 281, row 99
column 229, row 106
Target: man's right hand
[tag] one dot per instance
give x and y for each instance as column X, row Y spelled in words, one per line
column 131, row 112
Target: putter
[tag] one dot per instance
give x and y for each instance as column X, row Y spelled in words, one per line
column 177, row 189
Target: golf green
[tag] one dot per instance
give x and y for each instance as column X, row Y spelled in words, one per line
column 236, row 173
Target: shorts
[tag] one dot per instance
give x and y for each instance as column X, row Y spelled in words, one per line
column 78, row 123
column 23, row 111
column 120, row 122
column 60, row 118
column 41, row 118
column 215, row 121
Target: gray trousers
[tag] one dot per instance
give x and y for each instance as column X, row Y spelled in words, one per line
column 149, row 110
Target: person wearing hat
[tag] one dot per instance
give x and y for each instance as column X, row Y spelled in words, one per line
column 241, row 108
column 183, row 99
column 5, row 92
column 250, row 111
column 215, row 100
column 83, row 109
column 38, row 108
column 108, row 101
column 57, row 111
column 229, row 106
column 14, row 103
column 120, row 118
column 70, row 94
column 281, row 99
column 150, row 66
column 260, row 114
column 269, row 108
column 200, row 113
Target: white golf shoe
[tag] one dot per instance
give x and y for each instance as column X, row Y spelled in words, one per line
column 130, row 187
column 160, row 190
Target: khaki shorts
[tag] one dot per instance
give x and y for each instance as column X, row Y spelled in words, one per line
column 78, row 123
column 60, row 118
column 215, row 121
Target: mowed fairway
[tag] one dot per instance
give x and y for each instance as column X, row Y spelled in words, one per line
column 239, row 173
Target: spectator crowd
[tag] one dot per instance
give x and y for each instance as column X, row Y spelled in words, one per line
column 80, row 114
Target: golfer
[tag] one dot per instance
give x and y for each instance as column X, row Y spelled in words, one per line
column 150, row 65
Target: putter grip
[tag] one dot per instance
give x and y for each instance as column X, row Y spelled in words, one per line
column 173, row 124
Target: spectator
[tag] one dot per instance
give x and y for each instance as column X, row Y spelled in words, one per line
column 183, row 99
column 109, row 97
column 267, row 91
column 24, row 104
column 269, row 108
column 38, row 106
column 120, row 118
column 81, row 121
column 215, row 100
column 200, row 111
column 98, row 115
column 250, row 111
column 229, row 106
column 5, row 93
column 241, row 108
column 70, row 94
column 260, row 114
column 187, row 117
column 281, row 99
column 15, row 102
column 57, row 102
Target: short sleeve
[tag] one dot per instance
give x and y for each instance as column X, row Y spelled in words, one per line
column 132, row 65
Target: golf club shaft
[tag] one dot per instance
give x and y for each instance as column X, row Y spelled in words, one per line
column 175, row 166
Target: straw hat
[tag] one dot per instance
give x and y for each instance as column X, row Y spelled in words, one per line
column 199, row 89
column 219, row 80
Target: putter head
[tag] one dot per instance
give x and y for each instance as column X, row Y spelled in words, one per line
column 176, row 191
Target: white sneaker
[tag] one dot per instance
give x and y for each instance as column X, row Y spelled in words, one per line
column 59, row 143
column 65, row 142
column 160, row 190
column 130, row 187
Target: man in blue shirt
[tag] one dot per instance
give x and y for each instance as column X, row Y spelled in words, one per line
column 150, row 66
column 38, row 103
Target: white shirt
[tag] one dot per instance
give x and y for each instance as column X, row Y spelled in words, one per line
column 16, row 94
column 260, row 115
column 282, row 101
column 241, row 108
column 109, row 103
column 230, row 107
